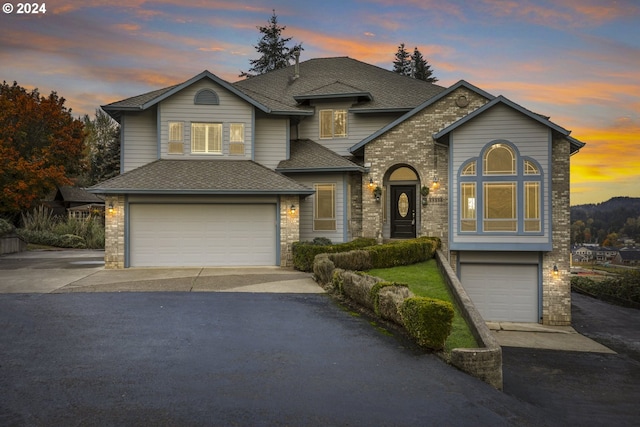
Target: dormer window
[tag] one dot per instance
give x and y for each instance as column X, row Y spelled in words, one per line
column 333, row 124
column 206, row 97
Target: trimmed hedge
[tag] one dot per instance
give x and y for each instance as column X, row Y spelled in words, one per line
column 305, row 252
column 427, row 320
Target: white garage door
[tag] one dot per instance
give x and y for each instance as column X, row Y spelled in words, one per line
column 202, row 235
column 502, row 292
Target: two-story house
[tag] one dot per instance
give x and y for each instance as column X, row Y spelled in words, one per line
column 220, row 174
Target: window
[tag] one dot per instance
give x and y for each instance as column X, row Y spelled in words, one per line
column 468, row 207
column 500, row 206
column 324, row 216
column 176, row 135
column 206, row 138
column 500, row 159
column 469, row 169
column 236, row 138
column 206, row 97
column 506, row 190
column 333, row 123
column 532, row 206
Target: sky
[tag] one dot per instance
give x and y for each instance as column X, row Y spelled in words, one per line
column 577, row 61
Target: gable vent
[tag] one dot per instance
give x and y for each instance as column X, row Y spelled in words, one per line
column 206, row 97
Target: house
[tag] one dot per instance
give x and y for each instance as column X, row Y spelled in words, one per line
column 219, row 174
column 627, row 256
column 74, row 202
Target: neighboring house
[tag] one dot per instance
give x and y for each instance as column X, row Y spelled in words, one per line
column 74, row 202
column 215, row 173
column 627, row 257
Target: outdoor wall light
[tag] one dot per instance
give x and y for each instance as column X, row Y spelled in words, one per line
column 371, row 183
column 436, row 183
column 111, row 207
column 292, row 209
column 555, row 270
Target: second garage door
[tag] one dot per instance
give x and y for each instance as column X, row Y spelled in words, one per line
column 202, row 235
column 502, row 291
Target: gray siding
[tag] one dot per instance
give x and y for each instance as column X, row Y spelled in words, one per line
column 359, row 126
column 140, row 139
column 532, row 140
column 231, row 109
column 271, row 141
column 307, row 207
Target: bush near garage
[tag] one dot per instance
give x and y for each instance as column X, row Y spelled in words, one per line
column 47, row 238
column 6, row 227
column 623, row 289
column 305, row 252
column 427, row 320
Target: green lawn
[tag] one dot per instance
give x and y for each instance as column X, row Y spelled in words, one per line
column 424, row 279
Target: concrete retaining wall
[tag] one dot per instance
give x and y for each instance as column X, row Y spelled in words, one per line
column 12, row 244
column 485, row 362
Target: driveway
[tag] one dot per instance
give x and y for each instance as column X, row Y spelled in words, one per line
column 247, row 358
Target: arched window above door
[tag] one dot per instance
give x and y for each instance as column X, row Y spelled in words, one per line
column 403, row 174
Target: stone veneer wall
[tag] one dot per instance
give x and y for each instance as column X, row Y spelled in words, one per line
column 114, row 232
column 355, row 221
column 556, row 290
column 289, row 228
column 411, row 143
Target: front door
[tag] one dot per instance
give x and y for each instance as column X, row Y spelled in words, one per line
column 403, row 211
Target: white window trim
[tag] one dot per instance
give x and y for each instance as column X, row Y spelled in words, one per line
column 333, row 123
column 206, row 151
column 333, row 207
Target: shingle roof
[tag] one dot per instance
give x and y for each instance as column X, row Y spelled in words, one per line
column 309, row 156
column 200, row 177
column 78, row 195
column 341, row 76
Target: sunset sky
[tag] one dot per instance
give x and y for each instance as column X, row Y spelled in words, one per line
column 577, row 61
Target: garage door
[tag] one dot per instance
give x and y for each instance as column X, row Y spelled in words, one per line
column 202, row 235
column 502, row 292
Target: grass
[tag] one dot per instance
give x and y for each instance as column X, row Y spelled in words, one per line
column 424, row 279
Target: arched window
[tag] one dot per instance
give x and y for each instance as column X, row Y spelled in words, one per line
column 206, row 97
column 499, row 159
column 403, row 174
column 503, row 196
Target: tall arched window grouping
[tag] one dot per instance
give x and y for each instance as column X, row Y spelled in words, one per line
column 500, row 192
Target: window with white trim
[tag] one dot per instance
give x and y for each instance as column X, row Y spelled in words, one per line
column 236, row 138
column 324, row 210
column 206, row 138
column 176, row 138
column 333, row 124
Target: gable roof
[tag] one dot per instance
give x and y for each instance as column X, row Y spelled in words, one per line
column 338, row 77
column 309, row 156
column 78, row 195
column 575, row 144
column 201, row 177
column 149, row 99
column 419, row 108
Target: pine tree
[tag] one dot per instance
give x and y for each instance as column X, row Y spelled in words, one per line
column 421, row 69
column 402, row 64
column 274, row 50
column 103, row 141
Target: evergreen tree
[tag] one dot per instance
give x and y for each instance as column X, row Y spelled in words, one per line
column 421, row 69
column 402, row 63
column 273, row 48
column 103, row 142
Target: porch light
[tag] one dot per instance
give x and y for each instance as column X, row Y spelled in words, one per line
column 371, row 183
column 436, row 183
column 110, row 207
column 556, row 272
column 292, row 209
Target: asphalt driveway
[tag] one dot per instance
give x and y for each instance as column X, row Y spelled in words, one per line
column 91, row 355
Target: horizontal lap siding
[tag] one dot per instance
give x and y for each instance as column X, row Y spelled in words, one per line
column 307, row 207
column 271, row 141
column 140, row 139
column 231, row 109
column 532, row 140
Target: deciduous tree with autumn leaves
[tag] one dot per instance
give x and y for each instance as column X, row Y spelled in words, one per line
column 41, row 146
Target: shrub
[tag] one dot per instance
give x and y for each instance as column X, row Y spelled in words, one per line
column 72, row 241
column 622, row 289
column 405, row 252
column 40, row 218
column 6, row 227
column 427, row 320
column 356, row 260
column 375, row 293
column 305, row 252
column 48, row 238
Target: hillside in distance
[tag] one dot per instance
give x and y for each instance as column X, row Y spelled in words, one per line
column 593, row 223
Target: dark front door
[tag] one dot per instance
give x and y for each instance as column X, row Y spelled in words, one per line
column 403, row 211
